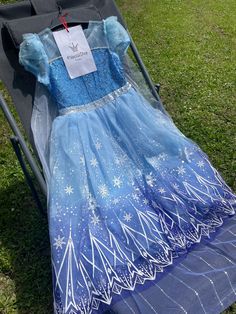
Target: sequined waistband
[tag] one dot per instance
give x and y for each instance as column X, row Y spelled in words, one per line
column 97, row 103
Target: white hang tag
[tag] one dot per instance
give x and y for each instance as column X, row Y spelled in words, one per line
column 75, row 51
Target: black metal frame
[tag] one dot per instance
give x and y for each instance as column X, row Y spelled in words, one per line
column 17, row 149
column 23, row 152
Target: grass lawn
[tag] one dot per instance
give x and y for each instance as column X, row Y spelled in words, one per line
column 189, row 46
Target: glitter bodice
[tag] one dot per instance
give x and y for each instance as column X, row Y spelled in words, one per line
column 90, row 87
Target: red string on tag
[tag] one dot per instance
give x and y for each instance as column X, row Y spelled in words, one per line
column 62, row 19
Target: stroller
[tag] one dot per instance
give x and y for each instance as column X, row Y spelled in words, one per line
column 199, row 283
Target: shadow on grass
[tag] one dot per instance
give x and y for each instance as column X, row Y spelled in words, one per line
column 24, row 253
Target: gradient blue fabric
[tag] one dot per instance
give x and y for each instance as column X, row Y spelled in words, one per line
column 128, row 192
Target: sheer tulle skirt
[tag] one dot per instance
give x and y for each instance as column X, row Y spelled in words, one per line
column 128, row 193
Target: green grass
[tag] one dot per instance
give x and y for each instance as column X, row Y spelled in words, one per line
column 25, row 270
column 189, row 46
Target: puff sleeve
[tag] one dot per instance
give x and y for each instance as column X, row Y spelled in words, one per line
column 117, row 36
column 34, row 58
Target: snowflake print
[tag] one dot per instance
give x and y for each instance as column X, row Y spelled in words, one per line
column 175, row 186
column 92, row 202
column 93, row 162
column 161, row 190
column 59, row 242
column 145, row 201
column 117, row 161
column 135, row 197
column 92, row 206
column 103, row 190
column 115, row 201
column 95, row 220
column 201, row 164
column 181, row 170
column 120, row 160
column 163, row 156
column 155, row 162
column 127, row 217
column 150, row 180
column 69, row 190
column 98, row 145
column 117, row 182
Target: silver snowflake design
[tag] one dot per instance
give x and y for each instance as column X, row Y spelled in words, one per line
column 91, row 202
column 150, row 180
column 176, row 186
column 117, row 182
column 115, row 201
column 181, row 170
column 120, row 160
column 135, row 197
column 93, row 162
column 95, row 220
column 145, row 201
column 127, row 217
column 163, row 156
column 201, row 164
column 69, row 190
column 103, row 190
column 155, row 162
column 123, row 159
column 98, row 145
column 59, row 242
column 161, row 190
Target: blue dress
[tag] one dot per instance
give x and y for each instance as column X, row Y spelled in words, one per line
column 128, row 191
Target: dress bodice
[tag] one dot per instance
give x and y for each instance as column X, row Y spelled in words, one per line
column 90, row 87
column 108, row 41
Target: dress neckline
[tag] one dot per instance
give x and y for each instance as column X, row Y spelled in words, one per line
column 48, row 32
column 87, row 31
column 48, row 29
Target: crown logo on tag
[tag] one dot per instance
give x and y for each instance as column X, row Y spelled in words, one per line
column 74, row 47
